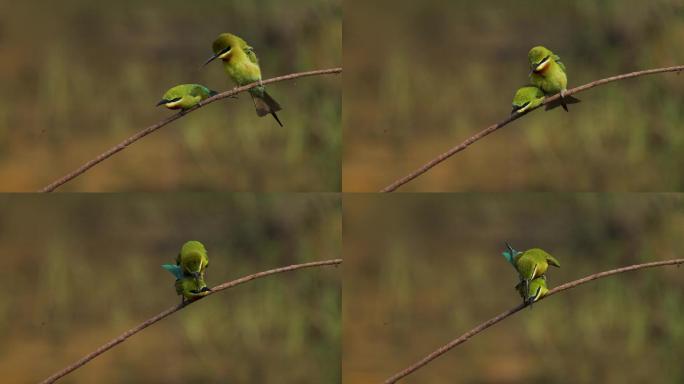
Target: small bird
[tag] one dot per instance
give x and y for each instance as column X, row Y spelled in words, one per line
column 241, row 64
column 185, row 96
column 548, row 74
column 537, row 290
column 187, row 286
column 193, row 259
column 191, row 289
column 529, row 264
column 527, row 98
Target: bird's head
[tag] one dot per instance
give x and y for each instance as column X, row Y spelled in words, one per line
column 524, row 98
column 539, row 58
column 510, row 254
column 224, row 46
column 171, row 98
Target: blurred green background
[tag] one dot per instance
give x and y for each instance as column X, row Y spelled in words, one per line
column 81, row 269
column 429, row 74
column 422, row 270
column 79, row 77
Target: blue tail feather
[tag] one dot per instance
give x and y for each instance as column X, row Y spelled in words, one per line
column 174, row 270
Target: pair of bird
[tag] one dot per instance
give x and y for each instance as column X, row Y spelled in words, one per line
column 242, row 66
column 547, row 77
column 531, row 266
column 191, row 263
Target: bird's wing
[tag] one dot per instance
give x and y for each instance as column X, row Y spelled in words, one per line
column 552, row 260
column 537, row 294
column 557, row 59
column 198, row 91
column 527, row 267
column 249, row 51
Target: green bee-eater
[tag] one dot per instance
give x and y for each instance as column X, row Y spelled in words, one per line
column 548, row 74
column 527, row 98
column 185, row 96
column 191, row 289
column 187, row 286
column 529, row 264
column 537, row 289
column 193, row 259
column 242, row 65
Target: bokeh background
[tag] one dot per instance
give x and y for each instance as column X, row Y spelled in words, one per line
column 79, row 270
column 421, row 270
column 79, row 77
column 427, row 75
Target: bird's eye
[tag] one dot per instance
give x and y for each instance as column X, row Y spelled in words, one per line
column 544, row 59
column 226, row 49
column 174, row 100
column 525, row 105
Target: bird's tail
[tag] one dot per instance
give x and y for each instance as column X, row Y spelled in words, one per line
column 174, row 270
column 562, row 101
column 264, row 104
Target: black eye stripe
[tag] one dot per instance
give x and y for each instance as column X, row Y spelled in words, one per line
column 173, row 100
column 226, row 49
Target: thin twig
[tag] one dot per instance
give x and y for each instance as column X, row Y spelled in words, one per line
column 121, row 146
column 454, row 150
column 463, row 338
column 120, row 339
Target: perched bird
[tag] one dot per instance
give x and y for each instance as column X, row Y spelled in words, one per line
column 241, row 64
column 527, row 98
column 191, row 289
column 185, row 96
column 537, row 289
column 187, row 286
column 548, row 74
column 529, row 264
column 193, row 259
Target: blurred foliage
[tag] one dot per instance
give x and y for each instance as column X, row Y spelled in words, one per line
column 80, row 76
column 422, row 270
column 81, row 269
column 429, row 74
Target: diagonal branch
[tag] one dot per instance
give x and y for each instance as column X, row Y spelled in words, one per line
column 230, row 284
column 454, row 150
column 121, row 146
column 464, row 337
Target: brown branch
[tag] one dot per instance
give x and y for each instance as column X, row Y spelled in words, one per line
column 121, row 338
column 454, row 150
column 464, row 337
column 121, row 146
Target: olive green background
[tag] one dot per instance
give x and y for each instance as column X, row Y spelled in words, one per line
column 79, row 270
column 79, row 77
column 421, row 77
column 420, row 270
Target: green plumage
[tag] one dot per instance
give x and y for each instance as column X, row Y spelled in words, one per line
column 193, row 259
column 536, row 291
column 530, row 265
column 189, row 270
column 191, row 289
column 548, row 73
column 185, row 96
column 527, row 98
column 242, row 66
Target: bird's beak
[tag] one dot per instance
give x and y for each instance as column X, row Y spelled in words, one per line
column 210, row 59
column 162, row 102
column 515, row 109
